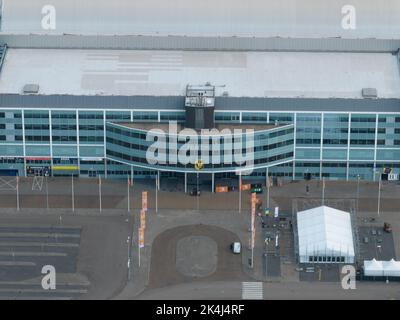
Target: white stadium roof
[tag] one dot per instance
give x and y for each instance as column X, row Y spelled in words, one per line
column 250, row 18
column 325, row 231
column 166, row 73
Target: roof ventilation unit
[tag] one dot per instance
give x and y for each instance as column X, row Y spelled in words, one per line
column 31, row 89
column 369, row 93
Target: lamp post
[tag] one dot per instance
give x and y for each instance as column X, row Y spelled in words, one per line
column 157, row 187
column 47, row 193
column 379, row 195
column 72, row 193
column 267, row 185
column 197, row 191
column 379, row 190
column 240, row 192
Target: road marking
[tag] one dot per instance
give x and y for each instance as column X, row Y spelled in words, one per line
column 39, row 244
column 38, row 235
column 36, row 298
column 32, row 254
column 252, row 291
column 17, row 264
column 38, row 227
column 56, row 291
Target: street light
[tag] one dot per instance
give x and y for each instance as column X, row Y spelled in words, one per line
column 379, row 190
column 379, row 195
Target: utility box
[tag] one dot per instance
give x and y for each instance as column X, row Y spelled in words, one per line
column 369, row 93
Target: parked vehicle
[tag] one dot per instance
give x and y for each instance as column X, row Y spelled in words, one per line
column 387, row 227
column 236, row 247
column 195, row 192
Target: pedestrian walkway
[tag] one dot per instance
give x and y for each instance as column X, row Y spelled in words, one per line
column 252, row 290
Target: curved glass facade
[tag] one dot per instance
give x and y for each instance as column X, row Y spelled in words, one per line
column 335, row 145
column 263, row 148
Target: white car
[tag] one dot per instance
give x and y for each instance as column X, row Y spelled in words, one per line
column 236, row 247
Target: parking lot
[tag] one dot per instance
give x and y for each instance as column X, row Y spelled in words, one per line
column 88, row 254
column 375, row 243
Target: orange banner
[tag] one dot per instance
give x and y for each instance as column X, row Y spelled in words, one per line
column 253, row 203
column 253, row 218
column 144, row 200
column 253, row 237
column 143, row 219
column 141, row 238
column 221, row 189
column 246, row 187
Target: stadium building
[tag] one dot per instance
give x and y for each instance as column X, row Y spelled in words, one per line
column 84, row 104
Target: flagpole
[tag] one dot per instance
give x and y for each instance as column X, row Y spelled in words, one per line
column 139, row 255
column 252, row 227
column 17, row 193
column 73, row 194
column 47, row 193
column 268, row 186
column 100, row 191
column 129, row 201
column 157, row 182
column 379, row 195
column 240, row 192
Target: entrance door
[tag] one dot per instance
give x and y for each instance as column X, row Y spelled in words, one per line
column 92, row 173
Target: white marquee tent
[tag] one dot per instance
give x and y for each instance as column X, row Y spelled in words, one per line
column 376, row 268
column 373, row 268
column 325, row 236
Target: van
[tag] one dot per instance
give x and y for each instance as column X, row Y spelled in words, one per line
column 236, row 247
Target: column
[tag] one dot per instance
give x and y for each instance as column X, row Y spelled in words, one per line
column 185, row 182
